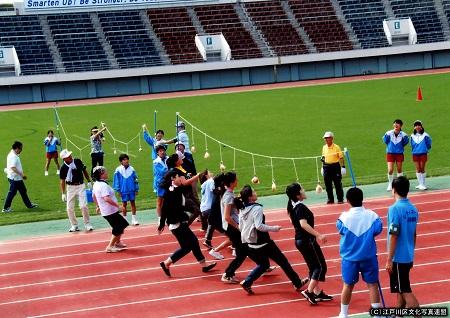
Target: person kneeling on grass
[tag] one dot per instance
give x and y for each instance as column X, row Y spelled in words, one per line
column 358, row 228
column 261, row 248
column 173, row 213
column 107, row 205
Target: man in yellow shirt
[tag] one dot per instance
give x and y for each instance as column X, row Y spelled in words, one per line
column 333, row 168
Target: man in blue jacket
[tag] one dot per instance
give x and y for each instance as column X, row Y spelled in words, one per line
column 358, row 228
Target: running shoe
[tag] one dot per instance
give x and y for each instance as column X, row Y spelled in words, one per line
column 229, row 280
column 209, row 267
column 121, row 245
column 323, row 297
column 309, row 297
column 113, row 249
column 216, row 255
column 165, row 269
column 207, row 244
column 247, row 288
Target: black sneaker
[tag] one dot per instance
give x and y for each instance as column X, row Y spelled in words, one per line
column 33, row 206
column 303, row 283
column 165, row 269
column 209, row 267
column 207, row 244
column 323, row 297
column 247, row 288
column 309, row 297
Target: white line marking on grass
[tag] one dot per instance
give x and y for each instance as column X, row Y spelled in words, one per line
column 191, row 278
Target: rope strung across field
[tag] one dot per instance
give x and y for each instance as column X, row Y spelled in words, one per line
column 80, row 149
column 252, row 154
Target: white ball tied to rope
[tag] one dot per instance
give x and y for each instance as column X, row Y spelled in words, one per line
column 115, row 151
column 140, row 149
column 255, row 180
column 206, row 156
column 319, row 188
column 222, row 167
column 274, row 186
column 193, row 149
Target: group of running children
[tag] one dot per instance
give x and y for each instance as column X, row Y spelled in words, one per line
column 242, row 220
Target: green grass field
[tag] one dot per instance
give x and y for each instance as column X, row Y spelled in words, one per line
column 279, row 123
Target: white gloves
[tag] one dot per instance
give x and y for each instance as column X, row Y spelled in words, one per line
column 343, row 171
column 63, row 197
column 321, row 171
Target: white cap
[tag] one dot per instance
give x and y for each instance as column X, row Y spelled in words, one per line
column 65, row 154
column 180, row 143
column 328, row 134
column 180, row 124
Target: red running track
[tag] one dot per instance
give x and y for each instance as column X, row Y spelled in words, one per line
column 71, row 276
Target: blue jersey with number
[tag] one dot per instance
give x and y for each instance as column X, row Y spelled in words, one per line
column 402, row 221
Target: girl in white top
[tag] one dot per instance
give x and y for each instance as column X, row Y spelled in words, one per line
column 107, row 206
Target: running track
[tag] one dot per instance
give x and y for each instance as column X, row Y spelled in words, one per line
column 71, row 276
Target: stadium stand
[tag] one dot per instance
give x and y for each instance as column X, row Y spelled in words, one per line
column 424, row 17
column 366, row 18
column 129, row 40
column 278, row 31
column 78, row 43
column 224, row 19
column 320, row 22
column 26, row 35
column 175, row 30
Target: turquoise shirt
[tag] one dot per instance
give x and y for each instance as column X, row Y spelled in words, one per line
column 402, row 218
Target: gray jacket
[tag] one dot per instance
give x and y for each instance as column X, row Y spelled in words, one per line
column 252, row 227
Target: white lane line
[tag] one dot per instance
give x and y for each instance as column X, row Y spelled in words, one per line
column 140, row 257
column 269, row 211
column 184, row 279
column 157, row 244
column 183, row 264
column 289, row 301
column 109, row 306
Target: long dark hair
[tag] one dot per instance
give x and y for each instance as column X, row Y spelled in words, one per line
column 219, row 187
column 167, row 180
column 229, row 178
column 244, row 196
column 292, row 191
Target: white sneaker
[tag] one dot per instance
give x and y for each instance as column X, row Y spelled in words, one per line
column 418, row 186
column 233, row 253
column 134, row 220
column 88, row 227
column 57, row 171
column 45, row 173
column 229, row 280
column 121, row 245
column 216, row 255
column 422, row 187
column 113, row 249
column 389, row 187
column 74, row 228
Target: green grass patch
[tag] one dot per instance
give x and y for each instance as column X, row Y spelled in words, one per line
column 283, row 123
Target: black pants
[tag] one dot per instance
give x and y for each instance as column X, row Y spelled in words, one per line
column 332, row 174
column 262, row 255
column 15, row 186
column 241, row 250
column 188, row 242
column 314, row 259
column 97, row 160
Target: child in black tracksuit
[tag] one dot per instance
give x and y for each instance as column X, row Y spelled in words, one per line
column 306, row 238
column 173, row 213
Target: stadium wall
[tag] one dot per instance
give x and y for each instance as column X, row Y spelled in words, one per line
column 159, row 79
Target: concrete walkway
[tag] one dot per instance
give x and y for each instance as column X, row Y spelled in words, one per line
column 146, row 217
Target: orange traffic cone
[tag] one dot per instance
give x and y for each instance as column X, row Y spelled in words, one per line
column 419, row 94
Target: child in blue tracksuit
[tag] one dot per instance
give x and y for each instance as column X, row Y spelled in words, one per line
column 420, row 144
column 126, row 184
column 358, row 249
column 395, row 141
column 153, row 142
column 159, row 171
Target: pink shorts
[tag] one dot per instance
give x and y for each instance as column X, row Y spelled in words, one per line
column 395, row 157
column 420, row 158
